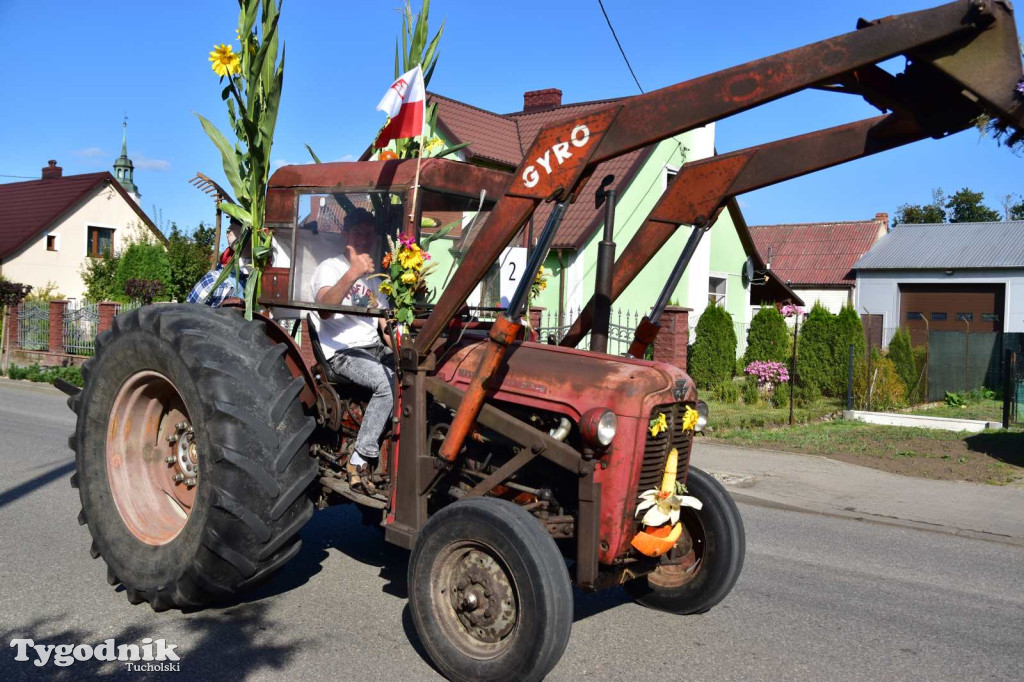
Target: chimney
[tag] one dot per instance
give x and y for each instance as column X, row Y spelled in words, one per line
column 884, row 219
column 539, row 100
column 52, row 171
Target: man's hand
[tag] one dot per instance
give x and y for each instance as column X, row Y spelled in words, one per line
column 360, row 264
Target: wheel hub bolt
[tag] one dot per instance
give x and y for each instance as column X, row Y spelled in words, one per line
column 171, row 459
column 190, row 482
column 178, row 478
column 172, row 439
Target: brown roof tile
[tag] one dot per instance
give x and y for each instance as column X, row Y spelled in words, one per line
column 502, row 138
column 817, row 253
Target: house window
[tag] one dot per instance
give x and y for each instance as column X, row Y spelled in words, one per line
column 101, row 241
column 716, row 290
column 965, row 317
column 51, row 242
column 938, row 317
column 915, row 316
column 990, row 317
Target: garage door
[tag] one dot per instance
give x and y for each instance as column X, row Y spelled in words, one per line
column 950, row 307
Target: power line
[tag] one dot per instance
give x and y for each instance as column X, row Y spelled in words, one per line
column 23, row 177
column 624, row 57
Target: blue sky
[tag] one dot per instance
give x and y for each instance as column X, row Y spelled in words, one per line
column 74, row 68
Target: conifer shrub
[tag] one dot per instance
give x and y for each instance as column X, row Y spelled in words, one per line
column 816, row 352
column 767, row 337
column 713, row 356
column 902, row 356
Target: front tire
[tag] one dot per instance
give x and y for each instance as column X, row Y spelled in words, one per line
column 719, row 546
column 489, row 592
column 191, row 454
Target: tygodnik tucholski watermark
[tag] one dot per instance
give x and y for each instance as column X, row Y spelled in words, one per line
column 147, row 656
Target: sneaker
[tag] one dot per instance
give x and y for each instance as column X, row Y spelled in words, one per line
column 359, row 478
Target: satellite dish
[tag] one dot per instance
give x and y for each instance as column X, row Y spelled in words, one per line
column 748, row 271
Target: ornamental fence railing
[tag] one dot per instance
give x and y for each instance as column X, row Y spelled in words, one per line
column 34, row 326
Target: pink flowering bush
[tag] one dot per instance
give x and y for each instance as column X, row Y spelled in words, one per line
column 769, row 374
column 789, row 310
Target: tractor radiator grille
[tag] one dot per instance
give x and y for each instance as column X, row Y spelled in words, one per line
column 656, row 448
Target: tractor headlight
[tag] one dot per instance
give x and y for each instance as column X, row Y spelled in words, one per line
column 702, row 415
column 598, row 427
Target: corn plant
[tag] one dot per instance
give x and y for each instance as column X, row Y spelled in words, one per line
column 252, row 81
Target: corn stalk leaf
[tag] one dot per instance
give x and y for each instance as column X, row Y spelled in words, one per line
column 228, row 158
column 236, row 212
column 443, row 232
column 452, row 149
column 316, row 159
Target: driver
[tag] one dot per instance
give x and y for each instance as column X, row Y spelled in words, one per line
column 353, row 343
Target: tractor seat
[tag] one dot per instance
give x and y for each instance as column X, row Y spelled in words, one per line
column 321, row 360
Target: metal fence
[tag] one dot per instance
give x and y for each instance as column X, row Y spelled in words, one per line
column 81, row 324
column 621, row 326
column 34, row 326
column 1013, row 388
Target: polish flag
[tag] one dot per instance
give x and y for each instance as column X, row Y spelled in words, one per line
column 403, row 103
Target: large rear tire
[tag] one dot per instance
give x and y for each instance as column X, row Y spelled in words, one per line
column 489, row 593
column 191, row 454
column 719, row 546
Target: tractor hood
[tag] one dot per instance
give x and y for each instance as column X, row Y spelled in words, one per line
column 572, row 381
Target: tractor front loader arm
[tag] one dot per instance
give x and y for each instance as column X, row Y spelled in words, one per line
column 701, row 188
column 963, row 56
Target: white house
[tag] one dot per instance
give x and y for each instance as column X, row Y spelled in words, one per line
column 51, row 226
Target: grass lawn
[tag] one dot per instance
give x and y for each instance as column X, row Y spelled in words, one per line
column 988, row 410
column 728, row 416
column 995, row 457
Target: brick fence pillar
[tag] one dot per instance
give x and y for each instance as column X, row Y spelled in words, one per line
column 12, row 327
column 670, row 345
column 535, row 317
column 107, row 311
column 57, row 309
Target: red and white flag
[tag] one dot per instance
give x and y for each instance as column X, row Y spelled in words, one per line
column 403, row 103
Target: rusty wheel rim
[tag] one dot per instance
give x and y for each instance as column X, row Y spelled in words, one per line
column 686, row 560
column 152, row 458
column 474, row 599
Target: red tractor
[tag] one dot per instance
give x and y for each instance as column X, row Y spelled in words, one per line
column 512, row 469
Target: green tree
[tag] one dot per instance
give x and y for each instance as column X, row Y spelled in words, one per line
column 189, row 257
column 713, row 356
column 922, row 213
column 965, row 207
column 99, row 276
column 767, row 337
column 816, row 352
column 849, row 331
column 1014, row 211
column 145, row 262
column 902, row 355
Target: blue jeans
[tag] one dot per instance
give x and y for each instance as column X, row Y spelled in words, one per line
column 371, row 368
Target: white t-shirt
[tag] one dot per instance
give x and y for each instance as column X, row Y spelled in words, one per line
column 347, row 331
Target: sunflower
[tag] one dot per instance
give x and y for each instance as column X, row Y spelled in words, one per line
column 658, row 424
column 409, row 278
column 411, row 257
column 224, row 61
column 690, row 418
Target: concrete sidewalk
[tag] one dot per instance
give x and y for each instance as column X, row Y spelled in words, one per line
column 825, row 486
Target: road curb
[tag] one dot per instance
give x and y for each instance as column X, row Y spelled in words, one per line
column 854, row 515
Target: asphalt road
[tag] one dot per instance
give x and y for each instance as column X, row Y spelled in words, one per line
column 819, row 598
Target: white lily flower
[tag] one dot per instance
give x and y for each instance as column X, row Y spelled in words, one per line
column 663, row 507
